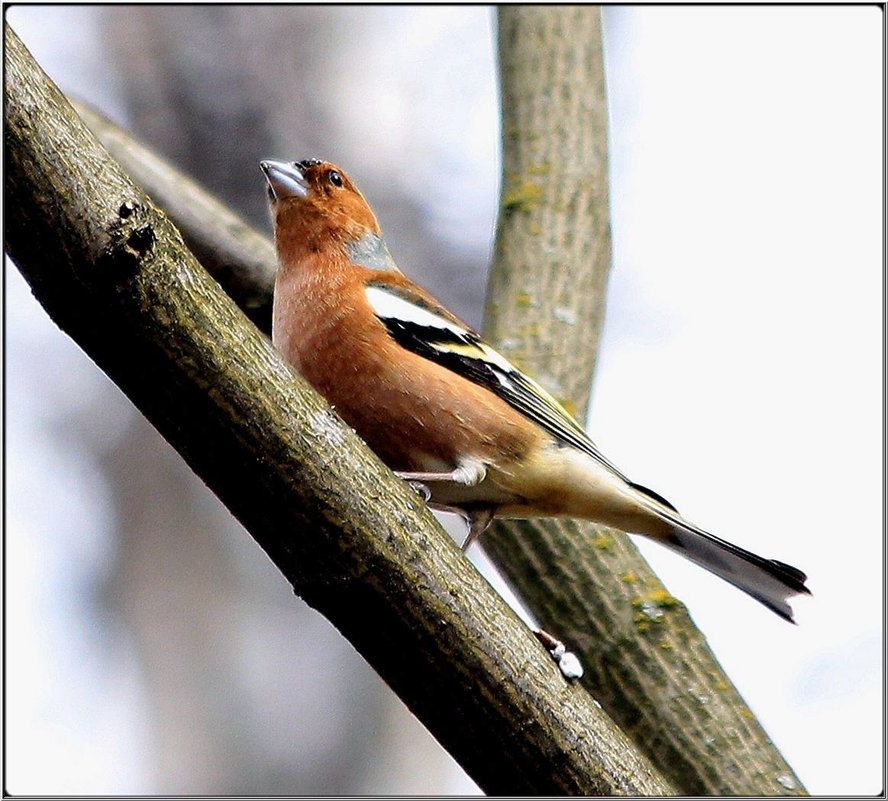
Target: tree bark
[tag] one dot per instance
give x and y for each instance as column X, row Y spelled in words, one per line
column 238, row 256
column 646, row 662
column 113, row 272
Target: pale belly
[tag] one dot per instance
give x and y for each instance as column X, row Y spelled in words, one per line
column 557, row 482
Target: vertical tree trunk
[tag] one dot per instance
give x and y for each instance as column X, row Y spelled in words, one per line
column 645, row 661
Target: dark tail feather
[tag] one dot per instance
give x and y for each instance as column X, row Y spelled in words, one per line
column 767, row 580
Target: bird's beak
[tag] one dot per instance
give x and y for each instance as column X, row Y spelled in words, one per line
column 285, row 179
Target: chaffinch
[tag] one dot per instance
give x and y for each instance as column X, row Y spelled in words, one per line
column 437, row 404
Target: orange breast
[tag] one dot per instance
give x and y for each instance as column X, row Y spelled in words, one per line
column 415, row 414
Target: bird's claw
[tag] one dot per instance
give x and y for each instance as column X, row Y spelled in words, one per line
column 421, row 489
column 479, row 520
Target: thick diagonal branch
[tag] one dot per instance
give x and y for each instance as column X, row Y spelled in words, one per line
column 113, row 273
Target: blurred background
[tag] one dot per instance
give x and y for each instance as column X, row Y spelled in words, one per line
column 150, row 645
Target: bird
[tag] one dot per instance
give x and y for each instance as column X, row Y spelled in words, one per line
column 438, row 405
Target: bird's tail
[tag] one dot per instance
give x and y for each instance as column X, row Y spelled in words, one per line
column 767, row 580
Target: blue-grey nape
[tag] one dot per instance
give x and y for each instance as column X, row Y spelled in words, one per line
column 371, row 251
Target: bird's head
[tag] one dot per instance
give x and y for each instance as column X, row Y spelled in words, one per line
column 316, row 206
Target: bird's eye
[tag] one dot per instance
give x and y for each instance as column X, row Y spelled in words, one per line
column 335, row 178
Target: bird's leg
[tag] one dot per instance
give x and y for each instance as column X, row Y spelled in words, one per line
column 478, row 520
column 467, row 473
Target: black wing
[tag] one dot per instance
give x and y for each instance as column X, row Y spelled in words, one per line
column 433, row 333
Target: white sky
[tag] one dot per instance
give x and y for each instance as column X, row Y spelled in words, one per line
column 740, row 373
column 744, row 379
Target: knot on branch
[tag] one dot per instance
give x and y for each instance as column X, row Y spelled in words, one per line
column 130, row 240
column 128, row 208
column 141, row 240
